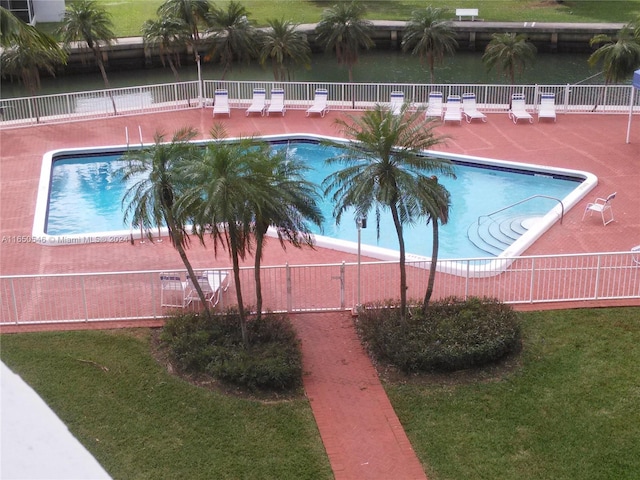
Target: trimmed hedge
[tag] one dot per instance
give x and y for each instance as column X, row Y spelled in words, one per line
column 454, row 334
column 213, row 346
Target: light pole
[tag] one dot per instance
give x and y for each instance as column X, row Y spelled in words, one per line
column 361, row 222
column 199, row 81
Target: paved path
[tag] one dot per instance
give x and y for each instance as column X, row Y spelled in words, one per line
column 360, row 430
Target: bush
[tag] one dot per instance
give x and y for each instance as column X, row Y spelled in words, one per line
column 453, row 334
column 213, row 345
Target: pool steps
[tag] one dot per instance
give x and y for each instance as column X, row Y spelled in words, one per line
column 495, row 235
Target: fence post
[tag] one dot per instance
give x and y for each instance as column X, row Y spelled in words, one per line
column 84, row 300
column 342, row 268
column 597, row 284
column 289, row 299
column 533, row 274
column 15, row 302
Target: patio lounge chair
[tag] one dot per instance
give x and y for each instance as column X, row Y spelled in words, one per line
column 209, row 287
column 319, row 102
column 453, row 112
column 221, row 104
column 470, row 108
column 434, row 107
column 277, row 102
column 601, row 205
column 219, row 282
column 635, row 254
column 397, row 100
column 547, row 107
column 174, row 292
column 519, row 109
column 258, row 104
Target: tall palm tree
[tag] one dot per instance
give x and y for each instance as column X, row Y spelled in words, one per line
column 86, row 20
column 152, row 199
column 289, row 208
column 168, row 34
column 232, row 34
column 430, row 36
column 384, row 169
column 435, row 202
column 13, row 31
column 286, row 46
column 225, row 184
column 343, row 29
column 510, row 53
column 192, row 12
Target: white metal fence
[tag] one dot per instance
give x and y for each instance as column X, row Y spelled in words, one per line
column 93, row 297
column 77, row 106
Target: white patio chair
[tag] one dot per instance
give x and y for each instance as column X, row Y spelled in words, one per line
column 518, row 109
column 601, row 206
column 397, row 100
column 221, row 103
column 219, row 282
column 277, row 102
column 453, row 110
column 259, row 102
column 547, row 107
column 434, row 107
column 319, row 102
column 174, row 292
column 470, row 108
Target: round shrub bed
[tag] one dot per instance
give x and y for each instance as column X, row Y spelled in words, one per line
column 453, row 334
column 213, row 345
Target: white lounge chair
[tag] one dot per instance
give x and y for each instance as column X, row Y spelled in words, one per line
column 221, row 103
column 210, row 284
column 259, row 102
column 518, row 109
column 453, row 111
column 601, row 205
column 470, row 108
column 219, row 282
column 635, row 254
column 277, row 102
column 174, row 292
column 547, row 107
column 434, row 107
column 397, row 100
column 319, row 102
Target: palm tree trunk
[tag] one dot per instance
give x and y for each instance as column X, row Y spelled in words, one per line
column 432, row 267
column 259, row 235
column 105, row 79
column 233, row 242
column 403, row 270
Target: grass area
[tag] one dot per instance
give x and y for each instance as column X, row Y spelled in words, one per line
column 128, row 16
column 140, row 422
column 570, row 411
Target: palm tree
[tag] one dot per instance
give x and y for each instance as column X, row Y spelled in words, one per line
column 233, row 36
column 25, row 60
column 168, row 34
column 226, row 182
column 152, row 199
column 619, row 58
column 192, row 12
column 384, row 169
column 285, row 46
column 429, row 36
column 87, row 21
column 343, row 29
column 296, row 203
column 509, row 53
column 435, row 202
column 13, row 31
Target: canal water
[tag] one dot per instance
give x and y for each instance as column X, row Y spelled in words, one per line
column 373, row 67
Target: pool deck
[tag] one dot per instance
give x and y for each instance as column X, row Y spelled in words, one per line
column 360, row 431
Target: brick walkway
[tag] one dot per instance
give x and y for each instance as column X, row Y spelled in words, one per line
column 361, row 433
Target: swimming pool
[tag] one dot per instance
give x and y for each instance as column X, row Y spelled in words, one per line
column 79, row 201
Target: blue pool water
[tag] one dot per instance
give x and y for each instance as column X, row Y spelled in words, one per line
column 86, row 196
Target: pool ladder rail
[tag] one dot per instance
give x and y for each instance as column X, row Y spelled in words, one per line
column 493, row 235
column 126, row 134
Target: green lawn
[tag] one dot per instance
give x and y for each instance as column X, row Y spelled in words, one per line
column 570, row 410
column 140, row 422
column 129, row 15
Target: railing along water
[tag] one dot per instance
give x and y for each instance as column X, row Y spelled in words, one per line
column 95, row 297
column 77, row 106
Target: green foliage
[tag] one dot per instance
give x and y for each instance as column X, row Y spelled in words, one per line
column 452, row 335
column 214, row 346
